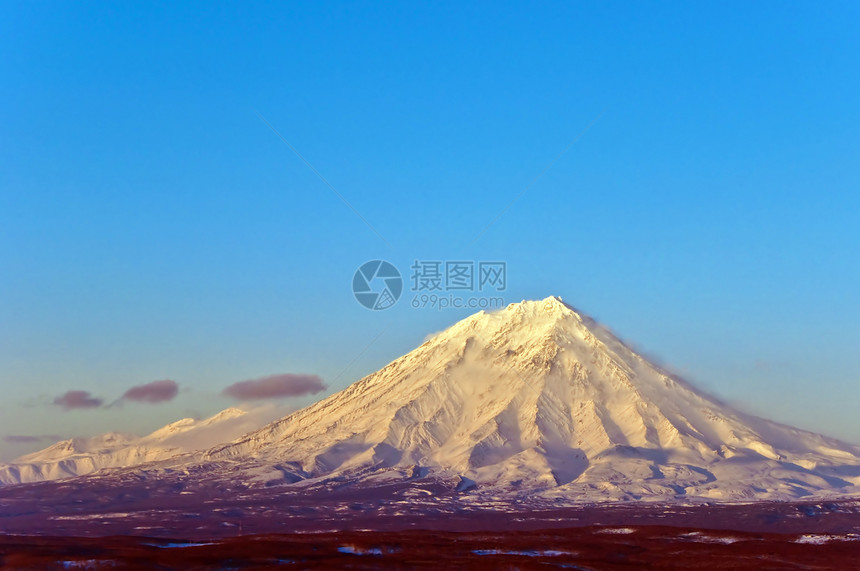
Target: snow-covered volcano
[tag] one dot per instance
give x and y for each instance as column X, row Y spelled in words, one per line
column 532, row 402
column 538, row 399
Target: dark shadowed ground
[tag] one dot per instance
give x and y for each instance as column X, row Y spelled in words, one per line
column 130, row 521
column 639, row 547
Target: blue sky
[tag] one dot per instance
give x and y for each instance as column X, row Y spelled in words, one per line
column 153, row 227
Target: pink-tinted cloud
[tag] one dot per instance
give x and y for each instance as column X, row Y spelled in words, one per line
column 275, row 386
column 154, row 392
column 77, row 399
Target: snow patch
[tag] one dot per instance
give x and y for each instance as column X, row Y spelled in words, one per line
column 616, row 530
column 821, row 539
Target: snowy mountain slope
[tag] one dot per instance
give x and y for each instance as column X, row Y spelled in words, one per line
column 536, row 398
column 79, row 456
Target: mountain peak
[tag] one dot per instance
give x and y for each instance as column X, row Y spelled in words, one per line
column 552, row 307
column 551, row 304
column 231, row 412
column 536, row 398
column 520, row 327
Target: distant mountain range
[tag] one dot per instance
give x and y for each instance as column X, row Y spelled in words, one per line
column 81, row 456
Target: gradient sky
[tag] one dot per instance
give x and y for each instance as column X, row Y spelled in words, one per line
column 153, row 227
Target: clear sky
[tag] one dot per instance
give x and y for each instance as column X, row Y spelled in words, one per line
column 153, row 227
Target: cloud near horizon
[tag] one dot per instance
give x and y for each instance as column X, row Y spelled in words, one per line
column 153, row 393
column 78, row 399
column 275, row 386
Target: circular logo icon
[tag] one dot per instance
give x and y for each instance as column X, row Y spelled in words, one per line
column 377, row 285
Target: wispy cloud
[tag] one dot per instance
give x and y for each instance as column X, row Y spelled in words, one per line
column 78, row 399
column 154, row 392
column 276, row 386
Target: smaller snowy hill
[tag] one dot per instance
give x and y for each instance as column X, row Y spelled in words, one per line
column 79, row 456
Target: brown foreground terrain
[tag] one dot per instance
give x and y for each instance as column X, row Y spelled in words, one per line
column 134, row 522
column 591, row 547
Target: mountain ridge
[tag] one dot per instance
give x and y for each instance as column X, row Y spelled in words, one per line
column 74, row 457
